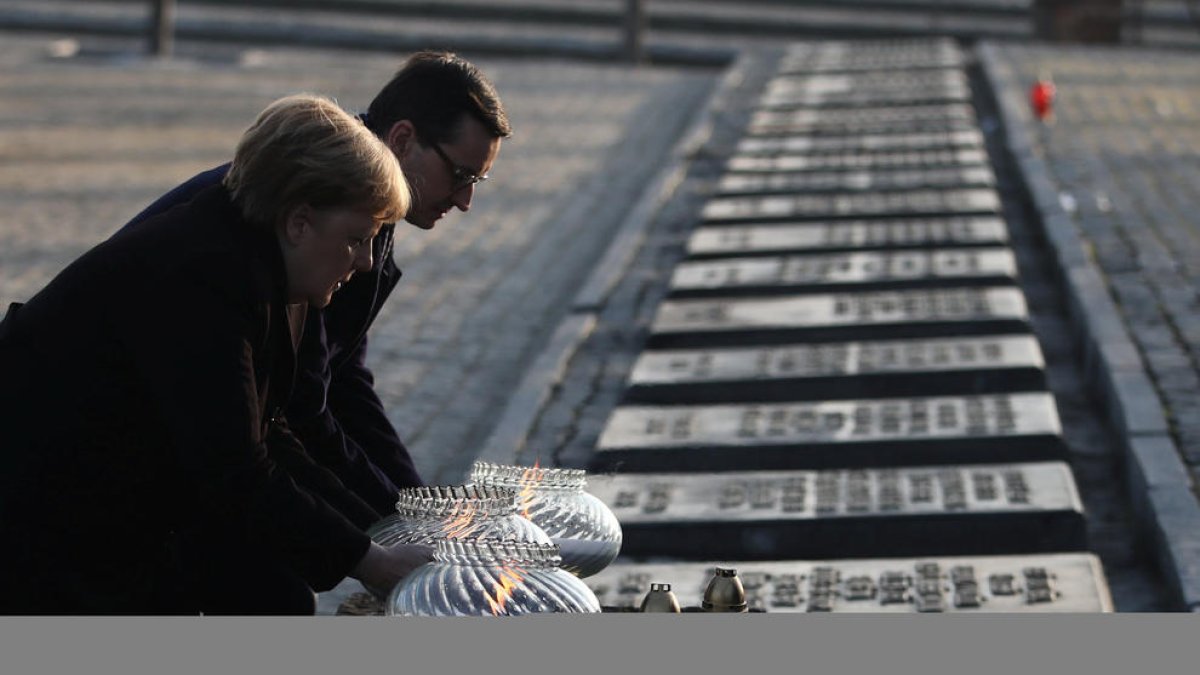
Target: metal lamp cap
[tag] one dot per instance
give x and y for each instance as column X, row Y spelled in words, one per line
column 724, row 592
column 661, row 599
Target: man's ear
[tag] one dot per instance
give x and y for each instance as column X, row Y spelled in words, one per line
column 296, row 224
column 400, row 138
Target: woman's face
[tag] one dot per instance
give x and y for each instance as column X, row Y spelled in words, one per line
column 323, row 248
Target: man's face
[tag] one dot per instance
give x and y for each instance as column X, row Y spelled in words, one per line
column 328, row 246
column 441, row 183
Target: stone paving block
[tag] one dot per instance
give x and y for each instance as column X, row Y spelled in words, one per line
column 1134, row 404
column 1068, row 248
column 1178, row 515
column 1152, row 462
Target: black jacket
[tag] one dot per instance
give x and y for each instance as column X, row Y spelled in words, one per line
column 142, row 390
column 334, row 410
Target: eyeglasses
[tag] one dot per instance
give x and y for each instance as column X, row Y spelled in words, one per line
column 462, row 175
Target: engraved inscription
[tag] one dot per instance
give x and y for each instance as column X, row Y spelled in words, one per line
column 980, row 200
column 836, row 359
column 865, row 160
column 861, row 118
column 849, row 181
column 848, row 268
column 833, row 421
column 1060, row 582
column 910, row 232
column 802, row 144
column 847, row 492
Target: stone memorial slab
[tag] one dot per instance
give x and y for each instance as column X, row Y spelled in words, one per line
column 860, row 160
column 734, row 240
column 858, row 271
column 772, row 515
column 874, row 55
column 1022, row 427
column 891, row 119
column 784, row 99
column 1016, row 584
column 741, row 183
column 802, row 143
column 839, row 316
column 838, row 370
column 866, row 82
column 910, row 203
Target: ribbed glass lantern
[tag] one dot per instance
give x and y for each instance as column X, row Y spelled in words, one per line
column 489, row 577
column 425, row 515
column 585, row 529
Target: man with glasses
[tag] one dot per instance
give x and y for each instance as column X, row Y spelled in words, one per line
column 443, row 120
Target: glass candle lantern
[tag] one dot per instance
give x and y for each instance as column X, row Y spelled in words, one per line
column 585, row 529
column 488, row 577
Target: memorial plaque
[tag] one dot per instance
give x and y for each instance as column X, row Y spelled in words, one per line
column 732, row 240
column 838, row 370
column 741, row 183
column 845, row 316
column 891, row 119
column 1019, row 584
column 862, row 161
column 772, row 515
column 873, row 55
column 802, row 143
column 860, row 270
column 812, row 98
column 866, row 82
column 1020, row 427
column 854, row 205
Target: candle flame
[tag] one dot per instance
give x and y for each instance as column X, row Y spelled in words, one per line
column 510, row 579
column 529, row 482
column 463, row 523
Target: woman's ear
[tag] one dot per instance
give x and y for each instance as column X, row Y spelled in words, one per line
column 297, row 223
column 400, row 138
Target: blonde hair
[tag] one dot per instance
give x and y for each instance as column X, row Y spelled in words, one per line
column 304, row 149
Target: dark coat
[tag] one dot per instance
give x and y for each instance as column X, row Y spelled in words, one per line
column 141, row 391
column 334, row 410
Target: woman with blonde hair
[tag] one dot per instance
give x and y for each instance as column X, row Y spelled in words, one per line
column 142, row 391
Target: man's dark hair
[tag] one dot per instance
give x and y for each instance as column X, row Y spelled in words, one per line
column 433, row 90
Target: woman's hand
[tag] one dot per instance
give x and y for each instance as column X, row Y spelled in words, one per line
column 382, row 568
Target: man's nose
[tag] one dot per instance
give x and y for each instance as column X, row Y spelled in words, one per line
column 462, row 197
column 362, row 259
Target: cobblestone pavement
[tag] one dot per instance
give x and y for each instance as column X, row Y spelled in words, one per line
column 1124, row 151
column 87, row 141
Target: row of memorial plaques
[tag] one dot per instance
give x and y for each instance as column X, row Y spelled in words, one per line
column 1066, row 582
column 768, row 515
column 987, row 364
column 832, row 433
column 800, row 406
